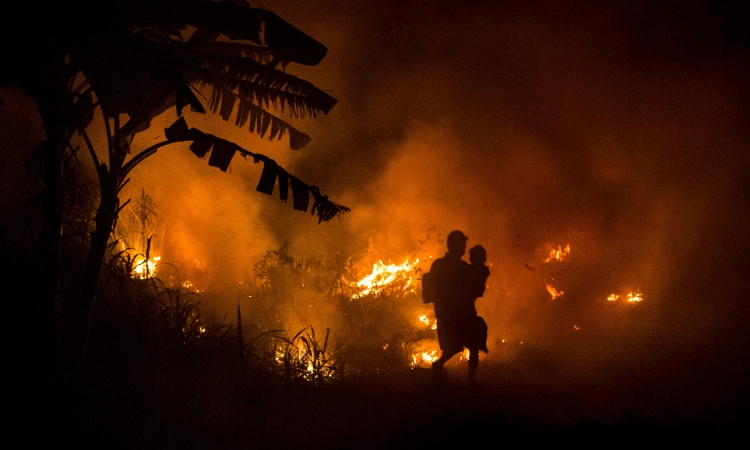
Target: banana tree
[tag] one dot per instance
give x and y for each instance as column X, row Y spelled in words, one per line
column 133, row 60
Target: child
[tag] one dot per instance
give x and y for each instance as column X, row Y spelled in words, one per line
column 479, row 272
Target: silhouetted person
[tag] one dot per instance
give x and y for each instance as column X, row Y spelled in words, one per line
column 454, row 289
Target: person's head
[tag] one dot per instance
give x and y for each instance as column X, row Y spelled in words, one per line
column 457, row 243
column 477, row 255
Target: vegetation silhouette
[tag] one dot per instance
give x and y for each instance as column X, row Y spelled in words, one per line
column 129, row 62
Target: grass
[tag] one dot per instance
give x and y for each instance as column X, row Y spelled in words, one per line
column 163, row 372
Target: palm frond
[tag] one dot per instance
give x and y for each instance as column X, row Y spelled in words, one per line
column 222, row 152
column 296, row 105
column 260, row 121
column 258, row 53
column 246, row 69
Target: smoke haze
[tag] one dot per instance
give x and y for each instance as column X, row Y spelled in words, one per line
column 620, row 129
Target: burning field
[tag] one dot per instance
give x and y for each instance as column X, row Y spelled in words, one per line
column 598, row 152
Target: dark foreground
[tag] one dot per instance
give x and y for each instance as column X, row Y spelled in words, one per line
column 220, row 408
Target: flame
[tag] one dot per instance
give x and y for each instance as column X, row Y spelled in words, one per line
column 190, row 287
column 554, row 292
column 423, row 357
column 425, row 320
column 635, row 297
column 144, row 269
column 559, row 254
column 383, row 275
column 632, row 297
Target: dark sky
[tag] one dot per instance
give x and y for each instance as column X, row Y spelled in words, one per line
column 620, row 128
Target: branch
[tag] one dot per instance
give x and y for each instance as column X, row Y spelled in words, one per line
column 137, row 159
column 110, row 148
column 92, row 153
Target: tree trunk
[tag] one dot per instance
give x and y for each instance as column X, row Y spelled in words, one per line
column 104, row 220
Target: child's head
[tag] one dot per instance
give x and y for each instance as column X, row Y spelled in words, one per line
column 477, row 255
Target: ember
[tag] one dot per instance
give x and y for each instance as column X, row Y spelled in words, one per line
column 632, row 297
column 635, row 297
column 559, row 254
column 430, row 322
column 554, row 292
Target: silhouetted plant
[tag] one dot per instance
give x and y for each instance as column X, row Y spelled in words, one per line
column 307, row 358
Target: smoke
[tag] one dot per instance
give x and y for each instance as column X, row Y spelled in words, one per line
column 620, row 129
column 617, row 129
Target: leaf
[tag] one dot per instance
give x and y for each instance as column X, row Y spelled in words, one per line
column 222, row 154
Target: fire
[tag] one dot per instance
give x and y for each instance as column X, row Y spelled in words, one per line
column 143, row 268
column 423, row 357
column 383, row 275
column 425, row 320
column 635, row 297
column 190, row 287
column 632, row 297
column 554, row 292
column 558, row 255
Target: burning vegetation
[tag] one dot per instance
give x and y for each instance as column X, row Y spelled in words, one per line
column 372, row 312
column 558, row 255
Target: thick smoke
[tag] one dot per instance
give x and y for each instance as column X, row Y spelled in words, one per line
column 617, row 129
column 620, row 129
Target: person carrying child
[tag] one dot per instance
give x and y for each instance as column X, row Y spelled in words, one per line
column 453, row 285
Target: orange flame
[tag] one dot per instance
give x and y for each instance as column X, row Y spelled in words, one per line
column 425, row 320
column 635, row 297
column 145, row 269
column 383, row 275
column 423, row 357
column 554, row 292
column 559, row 254
column 632, row 297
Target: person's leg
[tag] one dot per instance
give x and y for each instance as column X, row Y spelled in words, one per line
column 444, row 358
column 473, row 364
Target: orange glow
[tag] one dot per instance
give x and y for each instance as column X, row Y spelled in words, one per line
column 424, row 319
column 383, row 275
column 635, row 297
column 632, row 297
column 554, row 292
column 145, row 269
column 558, row 255
column 190, row 287
column 423, row 358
